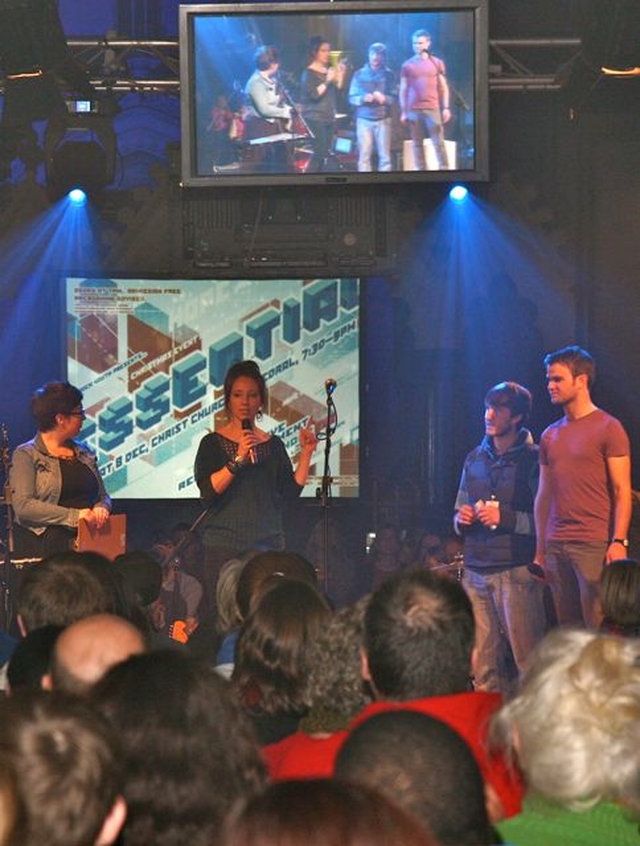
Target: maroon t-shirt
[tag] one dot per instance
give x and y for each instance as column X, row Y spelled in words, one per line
column 422, row 78
column 575, row 453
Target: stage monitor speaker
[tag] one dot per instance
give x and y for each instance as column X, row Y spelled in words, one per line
column 291, row 233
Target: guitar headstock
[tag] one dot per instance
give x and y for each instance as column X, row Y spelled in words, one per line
column 4, row 445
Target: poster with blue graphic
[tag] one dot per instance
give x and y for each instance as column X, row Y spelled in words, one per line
column 150, row 357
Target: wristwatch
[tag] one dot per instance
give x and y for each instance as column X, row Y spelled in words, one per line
column 623, row 541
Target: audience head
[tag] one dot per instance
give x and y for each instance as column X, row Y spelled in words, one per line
column 621, row 596
column 335, row 688
column 418, row 637
column 88, row 648
column 182, row 547
column 387, row 542
column 68, row 777
column 60, row 590
column 575, row 724
column 141, row 575
column 259, row 572
column 272, row 655
column 52, row 399
column 188, row 751
column 424, row 766
column 226, row 592
column 9, row 809
column 31, row 658
column 323, row 812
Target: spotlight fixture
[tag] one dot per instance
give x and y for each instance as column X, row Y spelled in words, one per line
column 458, row 193
column 80, row 152
column 77, row 196
column 32, row 46
column 605, row 73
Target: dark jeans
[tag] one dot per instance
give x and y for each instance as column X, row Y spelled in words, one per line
column 575, row 570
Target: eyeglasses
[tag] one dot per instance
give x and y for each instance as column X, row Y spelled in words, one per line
column 81, row 414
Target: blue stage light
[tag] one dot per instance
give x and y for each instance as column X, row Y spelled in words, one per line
column 77, row 196
column 458, row 193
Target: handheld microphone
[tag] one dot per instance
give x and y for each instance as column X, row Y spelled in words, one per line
column 247, row 426
column 330, row 385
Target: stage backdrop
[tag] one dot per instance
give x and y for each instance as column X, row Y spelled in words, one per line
column 151, row 355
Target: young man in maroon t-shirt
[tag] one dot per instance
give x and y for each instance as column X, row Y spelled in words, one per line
column 583, row 506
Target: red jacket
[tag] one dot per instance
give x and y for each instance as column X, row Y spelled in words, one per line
column 303, row 756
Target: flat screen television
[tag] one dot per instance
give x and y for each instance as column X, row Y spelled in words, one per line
column 150, row 356
column 293, row 93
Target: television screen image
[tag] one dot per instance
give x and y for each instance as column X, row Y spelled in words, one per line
column 150, row 358
column 331, row 93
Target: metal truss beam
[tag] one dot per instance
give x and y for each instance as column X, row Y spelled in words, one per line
column 515, row 64
column 529, row 64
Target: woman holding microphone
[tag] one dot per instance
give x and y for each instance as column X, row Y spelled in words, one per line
column 246, row 475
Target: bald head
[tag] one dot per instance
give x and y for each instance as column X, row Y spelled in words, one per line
column 87, row 649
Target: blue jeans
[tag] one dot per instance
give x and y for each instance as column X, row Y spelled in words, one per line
column 508, row 607
column 428, row 123
column 575, row 570
column 370, row 133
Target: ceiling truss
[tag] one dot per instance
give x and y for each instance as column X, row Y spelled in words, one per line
column 515, row 64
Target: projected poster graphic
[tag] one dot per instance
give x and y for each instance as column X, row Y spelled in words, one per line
column 150, row 357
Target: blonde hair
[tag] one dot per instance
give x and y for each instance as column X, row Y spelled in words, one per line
column 575, row 724
column 228, row 614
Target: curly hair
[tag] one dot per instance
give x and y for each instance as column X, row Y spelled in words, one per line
column 577, row 720
column 272, row 657
column 335, row 688
column 188, row 751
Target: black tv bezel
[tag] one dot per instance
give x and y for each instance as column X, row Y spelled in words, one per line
column 190, row 178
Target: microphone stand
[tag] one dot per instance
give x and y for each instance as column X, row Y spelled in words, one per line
column 461, row 106
column 296, row 114
column 8, row 541
column 323, row 493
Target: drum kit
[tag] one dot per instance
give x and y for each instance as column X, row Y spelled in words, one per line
column 453, row 569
